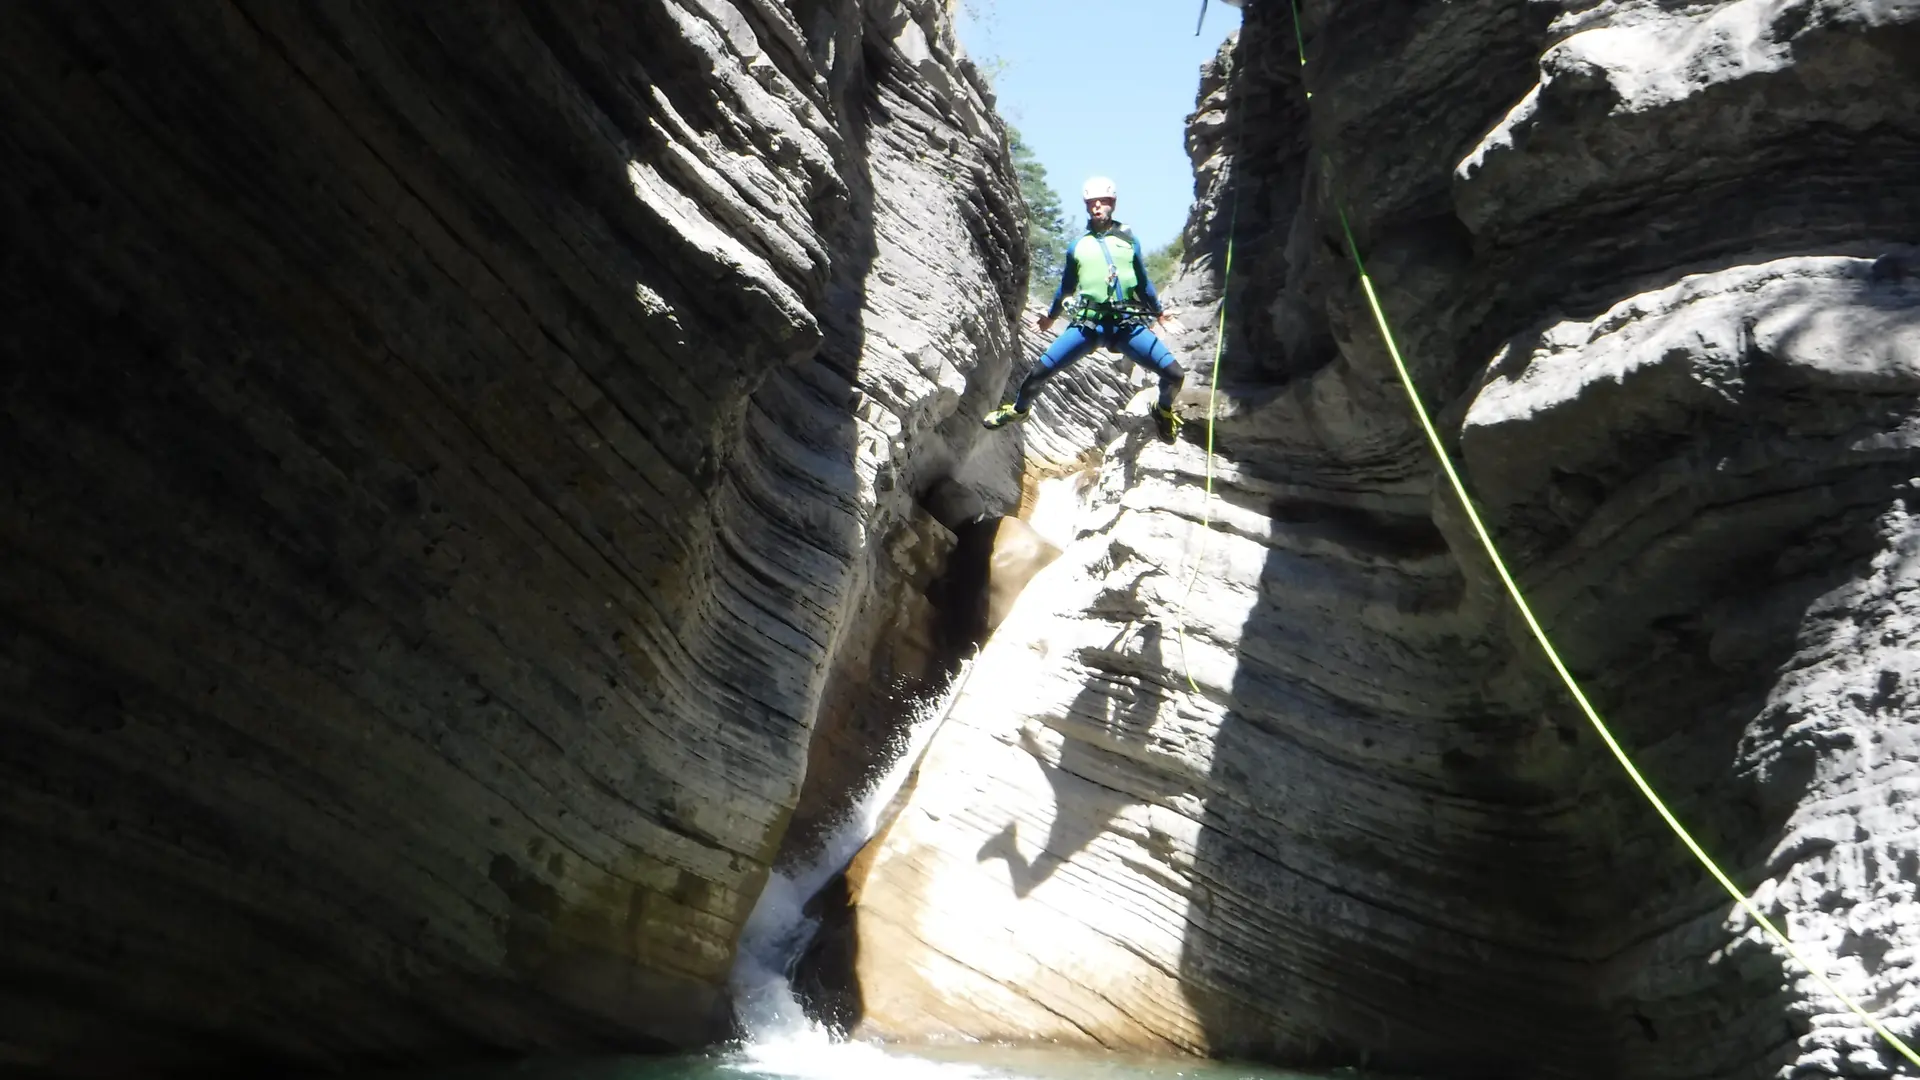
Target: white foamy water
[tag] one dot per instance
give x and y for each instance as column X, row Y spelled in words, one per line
column 777, row 1030
column 782, row 1043
column 1057, row 508
column 806, row 1057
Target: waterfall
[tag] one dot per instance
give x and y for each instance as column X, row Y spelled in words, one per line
column 778, row 930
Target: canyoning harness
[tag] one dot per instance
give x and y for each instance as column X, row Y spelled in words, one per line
column 1116, row 309
column 1103, row 316
column 1114, row 290
column 1119, row 281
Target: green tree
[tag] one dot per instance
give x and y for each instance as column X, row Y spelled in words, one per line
column 1046, row 222
column 1164, row 261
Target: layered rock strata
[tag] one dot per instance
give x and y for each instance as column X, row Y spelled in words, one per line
column 1280, row 773
column 443, row 452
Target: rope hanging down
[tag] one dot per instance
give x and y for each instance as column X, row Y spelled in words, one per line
column 1213, row 396
column 1573, row 686
column 1553, row 656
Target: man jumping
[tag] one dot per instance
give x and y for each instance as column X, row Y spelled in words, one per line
column 1112, row 304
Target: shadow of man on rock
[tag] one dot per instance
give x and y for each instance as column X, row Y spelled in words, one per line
column 1095, row 758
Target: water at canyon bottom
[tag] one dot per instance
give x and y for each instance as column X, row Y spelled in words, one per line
column 804, row 1059
column 782, row 1043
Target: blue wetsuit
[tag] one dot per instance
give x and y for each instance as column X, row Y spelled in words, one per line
column 1097, row 329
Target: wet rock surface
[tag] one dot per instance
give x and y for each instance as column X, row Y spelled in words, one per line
column 442, row 452
column 479, row 485
column 1649, row 267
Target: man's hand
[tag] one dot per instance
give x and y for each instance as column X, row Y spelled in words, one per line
column 1044, row 322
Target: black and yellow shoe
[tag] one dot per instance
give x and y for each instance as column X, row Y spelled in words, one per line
column 1167, row 422
column 1002, row 416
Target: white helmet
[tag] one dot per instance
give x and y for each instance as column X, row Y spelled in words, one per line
column 1098, row 187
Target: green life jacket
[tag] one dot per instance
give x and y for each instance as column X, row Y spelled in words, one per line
column 1103, row 267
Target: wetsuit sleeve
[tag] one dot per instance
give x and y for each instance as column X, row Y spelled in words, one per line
column 1069, row 278
column 1146, row 283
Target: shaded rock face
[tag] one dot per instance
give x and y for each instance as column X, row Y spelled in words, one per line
column 443, row 453
column 1651, row 268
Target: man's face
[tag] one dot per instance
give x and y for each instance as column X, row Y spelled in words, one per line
column 1100, row 210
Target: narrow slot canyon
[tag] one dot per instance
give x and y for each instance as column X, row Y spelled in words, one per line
column 501, row 564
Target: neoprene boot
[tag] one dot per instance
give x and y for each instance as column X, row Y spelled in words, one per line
column 1167, row 422
column 1002, row 416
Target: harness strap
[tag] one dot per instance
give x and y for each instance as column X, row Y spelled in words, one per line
column 1112, row 313
column 1113, row 269
column 1107, row 317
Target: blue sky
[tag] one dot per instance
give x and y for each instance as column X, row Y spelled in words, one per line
column 1136, row 61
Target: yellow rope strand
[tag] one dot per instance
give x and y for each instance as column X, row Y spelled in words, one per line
column 1206, row 507
column 1213, row 392
column 1560, row 668
column 1546, row 644
column 1506, row 578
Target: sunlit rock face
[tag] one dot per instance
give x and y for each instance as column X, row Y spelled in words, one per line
column 1652, row 269
column 444, row 449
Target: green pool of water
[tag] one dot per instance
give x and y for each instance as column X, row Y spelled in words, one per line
column 818, row 1059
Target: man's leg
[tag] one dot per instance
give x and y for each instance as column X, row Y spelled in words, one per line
column 1072, row 344
column 1143, row 347
column 1066, row 351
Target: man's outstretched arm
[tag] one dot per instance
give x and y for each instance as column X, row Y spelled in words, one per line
column 1069, row 279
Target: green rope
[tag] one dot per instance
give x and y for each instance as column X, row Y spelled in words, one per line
column 1553, row 656
column 1300, row 41
column 1213, row 394
column 1206, row 507
column 1573, row 687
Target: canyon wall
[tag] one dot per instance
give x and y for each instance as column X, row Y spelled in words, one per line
column 1277, row 771
column 480, row 485
column 452, row 461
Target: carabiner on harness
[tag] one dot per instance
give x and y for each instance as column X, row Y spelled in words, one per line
column 1107, row 316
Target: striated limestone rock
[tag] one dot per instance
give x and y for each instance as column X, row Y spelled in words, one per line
column 1651, row 267
column 442, row 453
